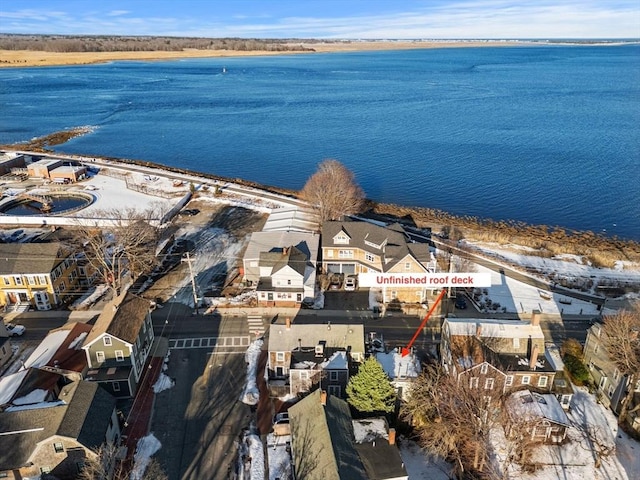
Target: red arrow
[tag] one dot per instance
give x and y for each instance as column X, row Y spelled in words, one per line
column 406, row 350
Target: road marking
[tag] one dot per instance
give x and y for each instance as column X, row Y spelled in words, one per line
column 210, row 342
column 256, row 325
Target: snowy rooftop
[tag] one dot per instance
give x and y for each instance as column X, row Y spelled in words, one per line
column 337, row 361
column 493, row 328
column 534, row 405
column 283, row 339
column 398, row 367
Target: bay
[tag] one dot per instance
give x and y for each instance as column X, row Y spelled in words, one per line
column 544, row 135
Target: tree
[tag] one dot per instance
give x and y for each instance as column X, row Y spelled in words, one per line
column 333, row 191
column 453, row 419
column 621, row 338
column 105, row 463
column 370, row 391
column 126, row 246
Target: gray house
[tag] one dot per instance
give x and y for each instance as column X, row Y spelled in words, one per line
column 304, row 356
column 119, row 343
column 58, row 434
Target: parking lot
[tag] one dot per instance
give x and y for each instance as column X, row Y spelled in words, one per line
column 343, row 300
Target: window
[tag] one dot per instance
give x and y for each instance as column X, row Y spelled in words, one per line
column 31, row 279
column 330, row 253
column 603, row 380
column 289, row 281
column 6, row 280
column 18, row 280
column 304, row 375
column 58, row 447
column 516, row 343
column 45, row 469
column 526, row 379
column 488, row 384
column 333, row 376
column 43, row 279
column 334, row 390
column 484, row 368
column 616, row 375
column 610, row 391
column 345, row 253
column 119, row 356
column 369, row 258
column 106, row 341
column 473, row 383
column 341, row 239
column 279, row 356
column 63, row 287
column 542, row 381
column 407, row 265
column 100, row 357
column 116, row 386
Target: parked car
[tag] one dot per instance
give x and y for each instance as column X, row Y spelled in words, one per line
column 461, row 303
column 351, row 283
column 281, row 424
column 15, row 330
column 336, row 280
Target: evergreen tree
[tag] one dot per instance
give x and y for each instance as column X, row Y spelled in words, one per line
column 370, row 391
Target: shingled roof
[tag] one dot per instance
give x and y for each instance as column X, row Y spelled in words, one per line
column 121, row 318
column 30, row 258
column 84, row 414
column 323, row 441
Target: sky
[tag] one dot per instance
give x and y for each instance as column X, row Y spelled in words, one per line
column 329, row 19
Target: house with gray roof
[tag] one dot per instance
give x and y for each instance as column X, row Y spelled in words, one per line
column 325, row 446
column 56, row 435
column 497, row 355
column 118, row 345
column 354, row 247
column 282, row 266
column 302, row 357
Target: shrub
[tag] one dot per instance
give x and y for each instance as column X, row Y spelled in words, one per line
column 577, row 370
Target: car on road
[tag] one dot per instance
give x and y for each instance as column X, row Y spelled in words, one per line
column 351, row 283
column 15, row 330
column 461, row 303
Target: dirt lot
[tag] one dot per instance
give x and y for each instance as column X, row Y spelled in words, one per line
column 215, row 239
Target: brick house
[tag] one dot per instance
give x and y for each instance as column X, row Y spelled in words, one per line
column 37, row 275
column 118, row 345
column 304, row 356
column 354, row 247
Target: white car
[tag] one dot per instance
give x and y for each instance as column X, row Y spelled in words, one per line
column 351, row 283
column 15, row 330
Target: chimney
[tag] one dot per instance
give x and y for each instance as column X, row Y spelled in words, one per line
column 535, row 318
column 478, row 329
column 287, row 323
column 323, row 397
column 328, row 325
column 392, row 436
column 534, row 357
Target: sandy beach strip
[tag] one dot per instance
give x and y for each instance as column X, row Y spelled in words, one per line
column 29, row 58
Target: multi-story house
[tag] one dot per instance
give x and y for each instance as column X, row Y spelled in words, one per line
column 497, row 354
column 612, row 385
column 538, row 417
column 51, row 426
column 354, row 247
column 37, row 275
column 401, row 370
column 118, row 345
column 305, row 356
column 282, row 266
column 6, row 352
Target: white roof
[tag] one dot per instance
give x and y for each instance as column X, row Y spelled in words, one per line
column 47, row 349
column 9, row 384
column 532, row 405
column 398, row 367
column 265, row 241
column 493, row 328
column 552, row 353
column 291, row 218
column 282, row 339
column 337, row 361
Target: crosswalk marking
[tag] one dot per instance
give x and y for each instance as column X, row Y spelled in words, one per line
column 256, row 325
column 210, row 342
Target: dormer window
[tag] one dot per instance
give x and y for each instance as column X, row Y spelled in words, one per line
column 341, row 239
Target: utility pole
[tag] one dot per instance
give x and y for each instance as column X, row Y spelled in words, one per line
column 193, row 281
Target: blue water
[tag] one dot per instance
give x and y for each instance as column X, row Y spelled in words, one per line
column 544, row 135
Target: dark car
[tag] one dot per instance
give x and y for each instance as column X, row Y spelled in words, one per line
column 190, row 212
column 461, row 303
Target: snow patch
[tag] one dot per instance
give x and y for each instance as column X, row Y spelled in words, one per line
column 251, row 394
column 163, row 383
column 147, row 446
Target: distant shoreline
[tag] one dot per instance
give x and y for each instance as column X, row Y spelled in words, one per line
column 33, row 58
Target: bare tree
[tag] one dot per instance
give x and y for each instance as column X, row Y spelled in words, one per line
column 126, row 246
column 106, row 463
column 621, row 338
column 333, row 191
column 453, row 418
